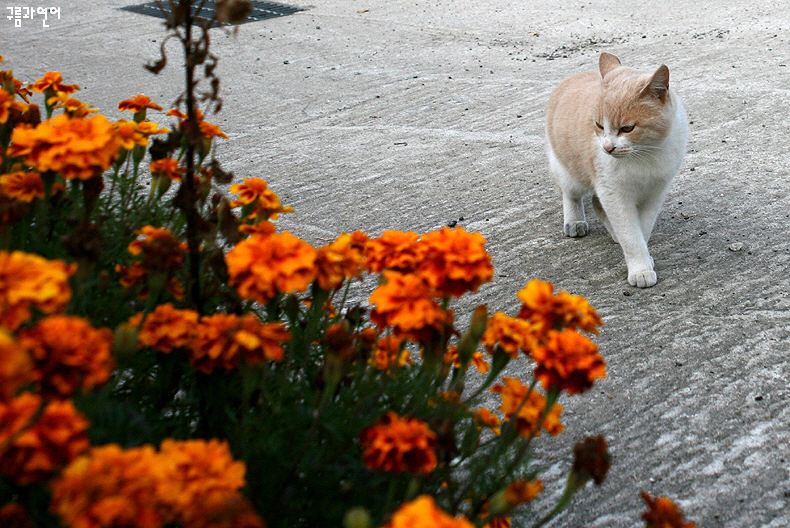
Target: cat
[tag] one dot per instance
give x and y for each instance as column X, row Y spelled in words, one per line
column 620, row 135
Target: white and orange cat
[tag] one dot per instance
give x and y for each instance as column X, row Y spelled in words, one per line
column 620, row 134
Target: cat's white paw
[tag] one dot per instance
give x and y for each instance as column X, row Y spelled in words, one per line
column 576, row 229
column 642, row 279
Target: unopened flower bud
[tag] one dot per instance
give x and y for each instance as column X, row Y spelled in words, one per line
column 357, row 517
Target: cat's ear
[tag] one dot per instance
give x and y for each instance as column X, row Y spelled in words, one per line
column 607, row 63
column 659, row 84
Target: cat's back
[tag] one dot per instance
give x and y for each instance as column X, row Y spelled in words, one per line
column 570, row 122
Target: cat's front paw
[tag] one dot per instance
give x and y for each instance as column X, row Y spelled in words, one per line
column 576, row 229
column 642, row 279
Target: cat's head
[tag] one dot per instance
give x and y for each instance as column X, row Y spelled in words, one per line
column 634, row 113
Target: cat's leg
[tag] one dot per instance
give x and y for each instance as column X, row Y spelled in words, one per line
column 648, row 212
column 602, row 216
column 574, row 220
column 625, row 222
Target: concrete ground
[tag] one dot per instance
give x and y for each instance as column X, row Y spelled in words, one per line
column 412, row 114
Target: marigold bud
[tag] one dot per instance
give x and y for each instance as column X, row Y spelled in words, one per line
column 357, row 517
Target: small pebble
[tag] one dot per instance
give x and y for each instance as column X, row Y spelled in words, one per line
column 736, row 246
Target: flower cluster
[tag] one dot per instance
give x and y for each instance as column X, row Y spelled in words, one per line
column 568, row 361
column 193, row 483
column 263, row 267
column 219, row 341
column 388, row 354
column 420, row 271
column 24, row 186
column 162, row 256
column 29, row 282
column 397, row 444
column 340, row 260
column 68, row 354
column 77, row 148
column 527, row 409
column 405, row 303
column 550, row 311
column 546, row 330
column 450, row 261
column 258, row 202
column 34, row 447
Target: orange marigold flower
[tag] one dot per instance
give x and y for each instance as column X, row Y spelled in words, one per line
column 262, row 202
column 498, row 522
column 76, row 148
column 21, row 90
column 388, row 353
column 209, row 131
column 136, row 274
column 168, row 167
column 160, row 249
column 53, row 82
column 556, row 311
column 137, row 103
column 509, row 333
column 32, row 452
column 6, row 101
column 568, row 361
column 110, row 486
column 15, row 367
column 522, row 491
column 148, row 128
column 451, row 358
column 68, row 354
column 478, row 360
column 513, row 394
column 342, row 259
column 166, row 328
column 205, row 476
column 393, row 250
column 515, row 494
column 486, row 418
column 423, row 512
column 262, row 267
column 206, row 129
column 397, row 444
column 14, row 515
column 23, row 186
column 404, row 303
column 261, row 228
column 72, row 106
column 132, row 134
column 131, row 275
column 663, row 513
column 225, row 340
column 29, row 281
column 251, row 190
column 455, row 261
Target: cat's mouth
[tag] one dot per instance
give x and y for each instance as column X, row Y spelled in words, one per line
column 619, row 153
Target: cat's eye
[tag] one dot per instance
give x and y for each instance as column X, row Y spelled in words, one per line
column 599, row 125
column 627, row 129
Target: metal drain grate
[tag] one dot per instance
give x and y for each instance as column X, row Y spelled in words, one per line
column 260, row 10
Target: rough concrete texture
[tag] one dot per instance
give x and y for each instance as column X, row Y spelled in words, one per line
column 414, row 114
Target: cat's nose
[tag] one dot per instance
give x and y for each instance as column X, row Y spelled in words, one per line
column 608, row 146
